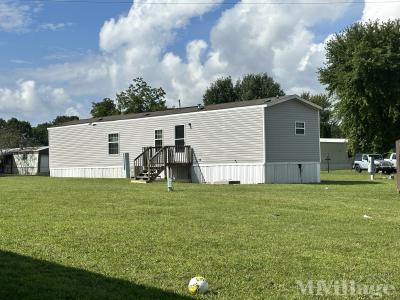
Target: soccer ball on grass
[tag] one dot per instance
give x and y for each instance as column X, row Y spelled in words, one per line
column 198, row 285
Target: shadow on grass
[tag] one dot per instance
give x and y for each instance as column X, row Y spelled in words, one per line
column 23, row 277
column 348, row 182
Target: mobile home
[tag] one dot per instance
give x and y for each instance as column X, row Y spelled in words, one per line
column 274, row 140
column 25, row 161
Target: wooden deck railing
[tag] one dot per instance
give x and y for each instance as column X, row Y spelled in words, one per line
column 156, row 157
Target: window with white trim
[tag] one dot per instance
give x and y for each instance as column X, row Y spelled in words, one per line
column 113, row 144
column 300, row 128
column 158, row 138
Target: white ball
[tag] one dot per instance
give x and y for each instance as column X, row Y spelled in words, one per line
column 198, row 285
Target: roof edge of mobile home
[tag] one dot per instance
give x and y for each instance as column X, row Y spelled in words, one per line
column 192, row 109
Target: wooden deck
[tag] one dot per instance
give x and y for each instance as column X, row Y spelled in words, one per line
column 154, row 160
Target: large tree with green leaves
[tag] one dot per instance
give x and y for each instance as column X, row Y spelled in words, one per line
column 10, row 136
column 251, row 86
column 362, row 71
column 257, row 86
column 329, row 127
column 220, row 91
column 104, row 108
column 40, row 134
column 63, row 119
column 141, row 97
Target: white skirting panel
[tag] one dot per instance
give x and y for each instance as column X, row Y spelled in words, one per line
column 292, row 172
column 245, row 173
column 94, row 172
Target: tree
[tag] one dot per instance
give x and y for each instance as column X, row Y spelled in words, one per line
column 257, row 86
column 23, row 127
column 220, row 91
column 252, row 86
column 40, row 134
column 104, row 108
column 9, row 138
column 328, row 124
column 362, row 70
column 140, row 97
column 63, row 119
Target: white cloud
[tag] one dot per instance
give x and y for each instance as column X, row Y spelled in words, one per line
column 277, row 39
column 274, row 39
column 381, row 10
column 247, row 38
column 20, row 62
column 14, row 16
column 53, row 26
column 30, row 99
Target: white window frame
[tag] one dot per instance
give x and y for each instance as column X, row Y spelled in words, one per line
column 162, row 137
column 108, row 144
column 295, row 127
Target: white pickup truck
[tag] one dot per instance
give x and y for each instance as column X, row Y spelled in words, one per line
column 392, row 159
column 361, row 163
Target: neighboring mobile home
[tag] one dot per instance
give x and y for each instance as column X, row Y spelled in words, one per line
column 258, row 141
column 25, row 161
column 336, row 152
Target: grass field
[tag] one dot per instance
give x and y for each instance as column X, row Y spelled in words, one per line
column 110, row 239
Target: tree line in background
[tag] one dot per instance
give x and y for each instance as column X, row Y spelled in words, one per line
column 251, row 86
column 258, row 86
column 15, row 133
column 361, row 74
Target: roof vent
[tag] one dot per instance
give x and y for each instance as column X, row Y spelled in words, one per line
column 200, row 107
column 147, row 114
column 267, row 101
column 99, row 119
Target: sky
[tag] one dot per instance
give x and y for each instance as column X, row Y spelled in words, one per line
column 58, row 56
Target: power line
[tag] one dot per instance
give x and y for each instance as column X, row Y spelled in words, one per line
column 211, row 3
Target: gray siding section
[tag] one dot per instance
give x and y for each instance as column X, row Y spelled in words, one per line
column 222, row 136
column 338, row 154
column 281, row 143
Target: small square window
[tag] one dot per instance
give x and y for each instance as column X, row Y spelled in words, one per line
column 300, row 128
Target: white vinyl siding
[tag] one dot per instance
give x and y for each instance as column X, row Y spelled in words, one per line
column 221, row 136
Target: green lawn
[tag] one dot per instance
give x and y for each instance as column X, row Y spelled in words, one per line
column 111, row 239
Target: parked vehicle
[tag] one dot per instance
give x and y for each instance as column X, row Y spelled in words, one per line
column 392, row 159
column 361, row 163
